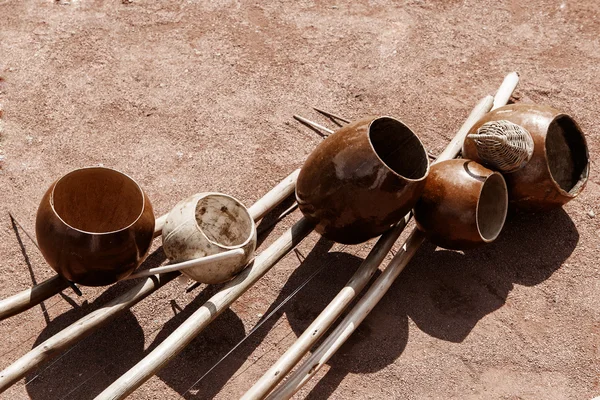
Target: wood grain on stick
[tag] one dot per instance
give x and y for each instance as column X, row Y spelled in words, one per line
column 381, row 285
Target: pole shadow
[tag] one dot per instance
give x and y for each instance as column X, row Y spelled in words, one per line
column 28, row 263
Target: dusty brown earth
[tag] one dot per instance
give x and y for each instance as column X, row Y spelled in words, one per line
column 198, row 95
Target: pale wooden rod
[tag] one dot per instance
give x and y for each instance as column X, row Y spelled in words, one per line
column 196, row 262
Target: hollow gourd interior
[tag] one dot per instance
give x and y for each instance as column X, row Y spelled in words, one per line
column 567, row 154
column 97, row 200
column 398, row 148
column 223, row 220
column 492, row 207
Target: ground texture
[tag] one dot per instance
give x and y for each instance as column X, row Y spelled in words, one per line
column 198, row 96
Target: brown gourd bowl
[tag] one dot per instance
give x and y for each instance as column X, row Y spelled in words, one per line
column 94, row 226
column 362, row 179
column 463, row 205
column 559, row 166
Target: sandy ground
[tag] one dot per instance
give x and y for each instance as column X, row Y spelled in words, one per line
column 198, row 96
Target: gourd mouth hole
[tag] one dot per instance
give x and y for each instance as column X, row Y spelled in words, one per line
column 97, row 200
column 492, row 207
column 399, row 148
column 567, row 154
column 224, row 220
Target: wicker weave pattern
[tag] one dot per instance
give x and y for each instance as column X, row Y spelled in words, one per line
column 503, row 145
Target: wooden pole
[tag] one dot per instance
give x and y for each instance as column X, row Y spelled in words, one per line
column 313, row 125
column 506, row 90
column 94, row 320
column 356, row 284
column 280, row 192
column 381, row 285
column 196, row 262
column 26, row 299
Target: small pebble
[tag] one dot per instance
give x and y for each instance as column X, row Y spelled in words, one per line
column 591, row 214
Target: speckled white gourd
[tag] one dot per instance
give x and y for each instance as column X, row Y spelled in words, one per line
column 206, row 224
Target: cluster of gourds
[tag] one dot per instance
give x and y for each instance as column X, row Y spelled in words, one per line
column 95, row 225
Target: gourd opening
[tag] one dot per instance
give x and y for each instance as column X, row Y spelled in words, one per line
column 398, row 148
column 567, row 154
column 492, row 207
column 224, row 220
column 97, row 200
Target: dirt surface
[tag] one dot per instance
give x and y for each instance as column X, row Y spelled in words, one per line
column 198, row 96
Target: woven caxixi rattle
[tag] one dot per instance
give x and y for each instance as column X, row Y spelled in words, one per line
column 503, row 145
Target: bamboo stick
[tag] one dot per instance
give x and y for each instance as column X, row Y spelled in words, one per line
column 93, row 321
column 382, row 284
column 196, row 323
column 356, row 284
column 281, row 191
column 226, row 255
column 26, row 299
column 313, row 125
column 332, row 115
column 33, row 296
column 506, row 90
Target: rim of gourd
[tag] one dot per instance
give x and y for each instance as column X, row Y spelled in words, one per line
column 251, row 227
column 493, row 193
column 420, row 171
column 111, row 170
column 579, row 154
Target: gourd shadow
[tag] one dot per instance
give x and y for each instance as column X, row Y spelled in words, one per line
column 446, row 293
column 454, row 291
column 86, row 368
